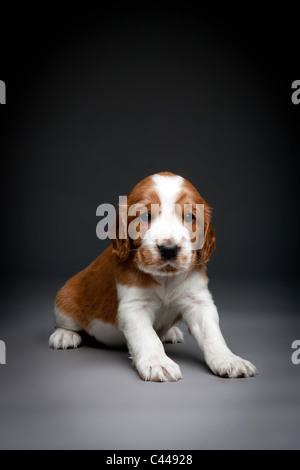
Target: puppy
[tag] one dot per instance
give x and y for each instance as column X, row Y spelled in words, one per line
column 140, row 286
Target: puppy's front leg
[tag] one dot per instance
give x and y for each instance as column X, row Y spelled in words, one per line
column 203, row 321
column 136, row 319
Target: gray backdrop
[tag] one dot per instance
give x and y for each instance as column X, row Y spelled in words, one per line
column 95, row 102
column 135, row 91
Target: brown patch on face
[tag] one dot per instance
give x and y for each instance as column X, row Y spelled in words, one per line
column 143, row 195
column 137, row 227
column 143, row 198
column 145, row 258
column 189, row 195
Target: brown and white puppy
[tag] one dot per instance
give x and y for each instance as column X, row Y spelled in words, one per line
column 139, row 287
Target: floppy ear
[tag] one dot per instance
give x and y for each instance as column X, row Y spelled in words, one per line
column 209, row 237
column 208, row 245
column 119, row 237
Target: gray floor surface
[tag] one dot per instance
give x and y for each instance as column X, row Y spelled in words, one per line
column 91, row 398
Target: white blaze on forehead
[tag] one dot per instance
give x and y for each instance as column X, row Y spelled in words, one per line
column 167, row 225
column 168, row 188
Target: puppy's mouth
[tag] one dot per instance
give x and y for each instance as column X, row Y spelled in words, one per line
column 171, row 267
column 168, row 264
column 168, row 268
column 165, row 269
column 153, row 263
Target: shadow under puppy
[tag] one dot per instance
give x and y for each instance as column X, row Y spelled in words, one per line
column 139, row 287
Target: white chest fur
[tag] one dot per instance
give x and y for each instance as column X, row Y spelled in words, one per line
column 161, row 303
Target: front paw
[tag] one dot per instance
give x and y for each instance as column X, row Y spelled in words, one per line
column 158, row 369
column 231, row 366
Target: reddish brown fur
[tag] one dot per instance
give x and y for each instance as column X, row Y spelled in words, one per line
column 92, row 294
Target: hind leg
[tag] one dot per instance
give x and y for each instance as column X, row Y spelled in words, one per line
column 173, row 335
column 65, row 335
column 106, row 333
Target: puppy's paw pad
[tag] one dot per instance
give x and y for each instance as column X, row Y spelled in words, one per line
column 232, row 367
column 159, row 370
column 64, row 339
column 174, row 335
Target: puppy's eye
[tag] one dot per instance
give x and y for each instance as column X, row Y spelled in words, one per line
column 189, row 218
column 145, row 217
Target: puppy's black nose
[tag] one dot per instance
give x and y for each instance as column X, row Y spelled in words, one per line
column 168, row 252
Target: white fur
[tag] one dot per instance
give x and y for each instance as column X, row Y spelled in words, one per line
column 174, row 335
column 146, row 315
column 200, row 314
column 168, row 226
column 64, row 336
column 65, row 321
column 64, row 339
column 106, row 333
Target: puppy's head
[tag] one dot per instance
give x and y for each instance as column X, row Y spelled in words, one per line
column 164, row 228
